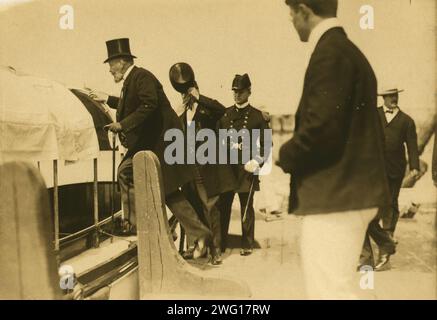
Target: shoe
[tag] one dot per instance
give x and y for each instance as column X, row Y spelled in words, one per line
column 216, row 260
column 216, row 257
column 245, row 252
column 200, row 250
column 383, row 263
column 188, row 255
column 125, row 229
column 391, row 234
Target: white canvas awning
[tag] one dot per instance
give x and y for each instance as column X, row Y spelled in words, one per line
column 41, row 120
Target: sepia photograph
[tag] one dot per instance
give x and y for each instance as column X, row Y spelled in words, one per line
column 235, row 152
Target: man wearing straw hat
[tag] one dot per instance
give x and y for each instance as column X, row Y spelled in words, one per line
column 143, row 115
column 399, row 130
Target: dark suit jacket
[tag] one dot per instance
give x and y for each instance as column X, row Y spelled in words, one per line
column 145, row 113
column 217, row 178
column 400, row 131
column 336, row 156
column 248, row 118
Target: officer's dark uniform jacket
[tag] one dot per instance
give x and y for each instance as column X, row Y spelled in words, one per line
column 247, row 118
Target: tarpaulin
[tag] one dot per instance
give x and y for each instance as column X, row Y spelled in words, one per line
column 41, row 120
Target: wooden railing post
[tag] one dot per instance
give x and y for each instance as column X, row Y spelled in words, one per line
column 162, row 271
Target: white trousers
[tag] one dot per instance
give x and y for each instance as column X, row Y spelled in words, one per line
column 330, row 249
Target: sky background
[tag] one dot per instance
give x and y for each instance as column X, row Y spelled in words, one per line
column 219, row 38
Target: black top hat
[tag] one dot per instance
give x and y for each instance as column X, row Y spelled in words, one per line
column 182, row 77
column 118, row 48
column 241, row 82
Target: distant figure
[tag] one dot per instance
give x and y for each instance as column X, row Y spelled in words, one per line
column 243, row 116
column 400, row 131
column 336, row 155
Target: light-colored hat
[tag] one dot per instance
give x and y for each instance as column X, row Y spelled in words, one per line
column 389, row 91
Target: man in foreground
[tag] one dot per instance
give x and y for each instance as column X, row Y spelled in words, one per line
column 336, row 156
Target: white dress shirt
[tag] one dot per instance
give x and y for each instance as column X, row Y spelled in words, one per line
column 320, row 30
column 127, row 72
column 191, row 112
column 242, row 106
column 124, row 79
column 388, row 115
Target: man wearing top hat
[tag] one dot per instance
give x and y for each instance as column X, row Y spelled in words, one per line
column 212, row 179
column 243, row 116
column 143, row 115
column 399, row 131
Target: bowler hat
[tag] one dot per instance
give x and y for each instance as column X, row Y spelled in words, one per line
column 182, row 77
column 241, row 82
column 118, row 48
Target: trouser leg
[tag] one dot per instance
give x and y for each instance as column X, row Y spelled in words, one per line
column 381, row 237
column 225, row 204
column 367, row 257
column 330, row 248
column 395, row 188
column 210, row 211
column 187, row 216
column 126, row 183
column 247, row 225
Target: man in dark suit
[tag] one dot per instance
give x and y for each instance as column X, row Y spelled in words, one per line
column 243, row 116
column 336, row 156
column 199, row 121
column 211, row 179
column 399, row 131
column 143, row 115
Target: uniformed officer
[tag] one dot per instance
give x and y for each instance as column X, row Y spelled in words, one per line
column 243, row 117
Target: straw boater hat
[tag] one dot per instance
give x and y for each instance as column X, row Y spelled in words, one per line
column 389, row 91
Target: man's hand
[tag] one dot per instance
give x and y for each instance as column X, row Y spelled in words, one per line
column 114, row 127
column 251, row 166
column 194, row 93
column 189, row 98
column 415, row 173
column 98, row 96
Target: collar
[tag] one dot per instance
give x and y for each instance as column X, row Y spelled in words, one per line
column 242, row 106
column 388, row 110
column 320, row 29
column 193, row 109
column 126, row 74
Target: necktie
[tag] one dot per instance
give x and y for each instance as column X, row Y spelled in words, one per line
column 389, row 111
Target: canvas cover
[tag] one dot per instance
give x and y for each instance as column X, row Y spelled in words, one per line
column 41, row 120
